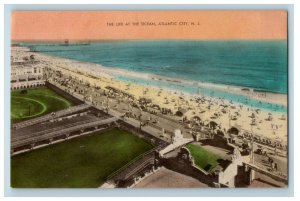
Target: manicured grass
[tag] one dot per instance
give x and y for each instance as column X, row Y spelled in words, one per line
column 80, row 162
column 203, row 158
column 34, row 103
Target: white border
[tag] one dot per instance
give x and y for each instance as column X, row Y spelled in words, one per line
column 153, row 193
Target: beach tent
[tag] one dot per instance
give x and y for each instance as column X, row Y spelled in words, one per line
column 181, row 112
column 233, row 130
column 220, row 133
column 155, row 106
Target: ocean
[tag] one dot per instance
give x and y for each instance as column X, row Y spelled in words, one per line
column 260, row 65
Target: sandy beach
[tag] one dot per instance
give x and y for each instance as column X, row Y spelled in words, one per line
column 227, row 114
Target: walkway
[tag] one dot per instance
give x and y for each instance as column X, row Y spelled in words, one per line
column 247, row 162
column 48, row 117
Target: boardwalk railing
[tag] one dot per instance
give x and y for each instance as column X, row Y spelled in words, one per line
column 136, row 168
column 129, row 163
column 270, row 174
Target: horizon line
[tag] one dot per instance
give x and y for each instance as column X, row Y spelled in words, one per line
column 104, row 40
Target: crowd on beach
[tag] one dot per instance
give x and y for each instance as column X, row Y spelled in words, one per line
column 266, row 127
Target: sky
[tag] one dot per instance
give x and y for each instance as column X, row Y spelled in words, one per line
column 97, row 25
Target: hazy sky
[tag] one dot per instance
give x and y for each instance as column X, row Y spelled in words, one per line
column 92, row 25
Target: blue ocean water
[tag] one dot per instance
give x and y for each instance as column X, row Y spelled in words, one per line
column 261, row 65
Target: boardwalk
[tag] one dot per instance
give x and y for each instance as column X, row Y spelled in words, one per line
column 273, row 175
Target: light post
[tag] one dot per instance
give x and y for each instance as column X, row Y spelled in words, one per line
column 252, row 144
column 229, row 118
column 275, row 141
column 140, row 118
column 107, row 104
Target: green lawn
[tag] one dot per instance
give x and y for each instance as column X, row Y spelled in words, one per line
column 80, row 162
column 203, row 158
column 34, row 103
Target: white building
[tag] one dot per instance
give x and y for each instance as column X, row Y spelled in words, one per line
column 26, row 72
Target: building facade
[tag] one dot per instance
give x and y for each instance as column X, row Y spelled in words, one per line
column 26, row 72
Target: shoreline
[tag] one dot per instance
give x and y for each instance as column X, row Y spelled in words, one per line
column 247, row 92
column 269, row 97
